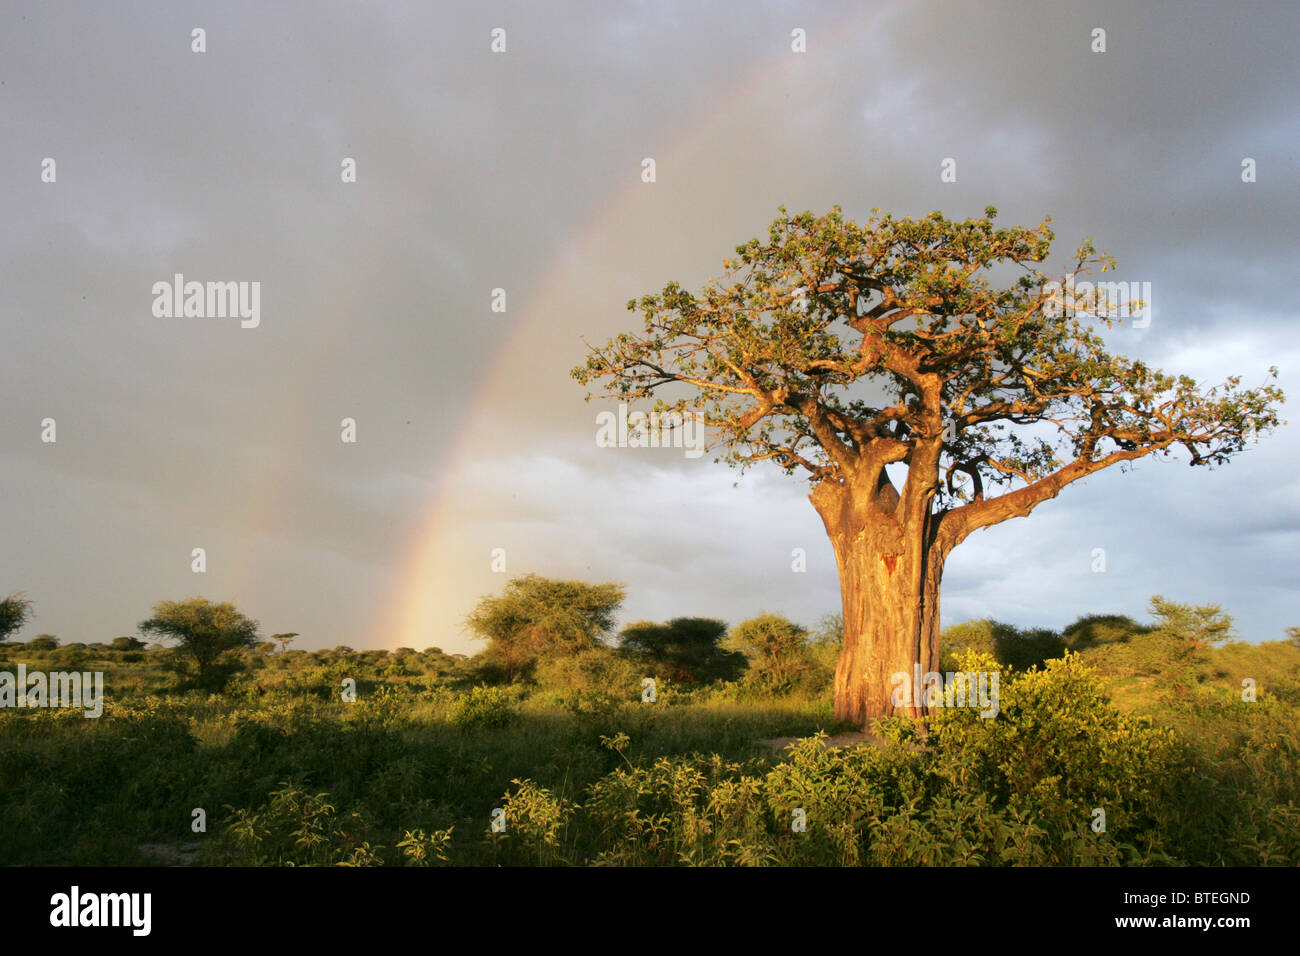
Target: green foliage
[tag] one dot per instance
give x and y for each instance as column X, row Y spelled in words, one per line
column 665, row 814
column 776, row 649
column 1174, row 650
column 1187, row 770
column 43, row 643
column 1057, row 749
column 684, row 649
column 534, row 820
column 425, row 849
column 296, row 828
column 537, row 617
column 777, row 352
column 78, row 792
column 598, row 670
column 1196, row 626
column 15, row 611
column 980, row 636
column 484, row 706
column 1010, row 645
column 1093, row 630
column 207, row 633
column 71, row 657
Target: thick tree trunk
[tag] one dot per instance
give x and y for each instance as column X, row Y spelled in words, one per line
column 890, row 567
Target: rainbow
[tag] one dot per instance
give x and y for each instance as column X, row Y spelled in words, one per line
column 434, row 588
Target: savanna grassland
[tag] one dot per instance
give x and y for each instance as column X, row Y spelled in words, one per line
column 1148, row 723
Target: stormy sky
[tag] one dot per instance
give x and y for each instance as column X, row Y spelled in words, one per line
column 521, row 170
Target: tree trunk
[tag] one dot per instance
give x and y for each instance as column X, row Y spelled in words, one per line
column 890, row 567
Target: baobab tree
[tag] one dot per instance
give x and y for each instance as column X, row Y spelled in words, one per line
column 837, row 350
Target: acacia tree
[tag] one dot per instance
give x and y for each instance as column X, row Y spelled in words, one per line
column 837, row 350
column 775, row 647
column 206, row 632
column 538, row 617
column 284, row 640
column 15, row 611
column 684, row 649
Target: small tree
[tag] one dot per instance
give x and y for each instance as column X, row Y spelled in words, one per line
column 284, row 640
column 127, row 644
column 15, row 611
column 1092, row 630
column 1293, row 634
column 1197, row 626
column 43, row 642
column 1029, row 647
column 686, row 649
column 206, row 632
column 538, row 616
column 1186, row 631
column 775, row 647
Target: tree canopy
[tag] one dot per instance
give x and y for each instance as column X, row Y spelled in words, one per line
column 535, row 617
column 833, row 348
column 15, row 611
column 775, row 648
column 685, row 649
column 936, row 346
column 206, row 631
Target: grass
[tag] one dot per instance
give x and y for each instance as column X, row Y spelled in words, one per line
column 287, row 772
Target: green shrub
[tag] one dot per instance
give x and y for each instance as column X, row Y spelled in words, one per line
column 592, row 671
column 295, row 828
column 425, row 849
column 1094, row 630
column 1012, row 646
column 776, row 650
column 1058, row 749
column 534, row 820
column 43, row 643
column 484, row 706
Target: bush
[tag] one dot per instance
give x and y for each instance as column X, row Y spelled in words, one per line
column 1094, row 630
column 1188, row 770
column 425, row 849
column 685, row 649
column 295, row 828
column 70, row 656
column 1023, row 649
column 1058, row 749
column 483, row 707
column 1013, row 647
column 594, row 671
column 534, row 820
column 776, row 650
